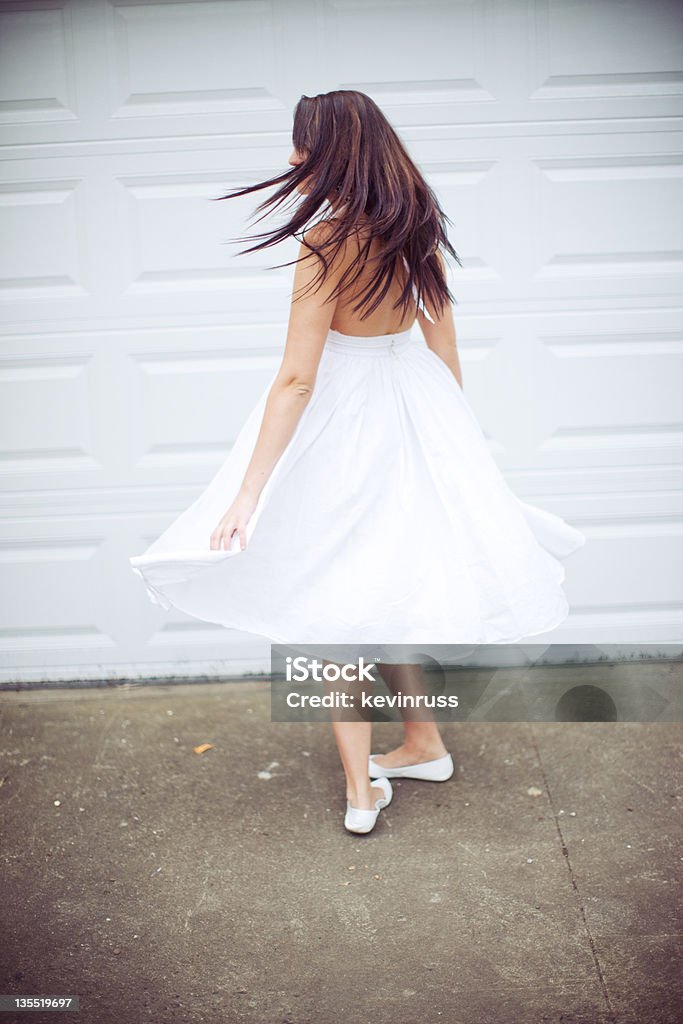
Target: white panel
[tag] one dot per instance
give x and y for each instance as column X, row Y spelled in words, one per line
column 390, row 49
column 177, row 229
column 611, row 217
column 40, row 226
column 613, row 49
column 36, row 65
column 199, row 383
column 195, row 57
column 45, row 416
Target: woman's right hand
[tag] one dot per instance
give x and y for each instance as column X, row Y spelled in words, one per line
column 234, row 521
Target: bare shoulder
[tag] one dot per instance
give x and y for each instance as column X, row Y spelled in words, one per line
column 319, row 232
column 319, row 236
column 319, row 266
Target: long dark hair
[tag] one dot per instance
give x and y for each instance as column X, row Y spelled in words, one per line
column 352, row 154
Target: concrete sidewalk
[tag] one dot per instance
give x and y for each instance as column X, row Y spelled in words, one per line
column 162, row 885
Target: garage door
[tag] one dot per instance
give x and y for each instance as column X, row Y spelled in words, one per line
column 134, row 343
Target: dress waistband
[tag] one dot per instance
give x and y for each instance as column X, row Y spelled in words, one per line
column 380, row 345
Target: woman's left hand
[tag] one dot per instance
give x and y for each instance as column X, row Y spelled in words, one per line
column 234, row 521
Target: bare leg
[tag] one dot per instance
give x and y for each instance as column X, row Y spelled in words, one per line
column 353, row 738
column 422, row 739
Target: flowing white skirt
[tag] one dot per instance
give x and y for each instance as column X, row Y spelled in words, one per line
column 385, row 521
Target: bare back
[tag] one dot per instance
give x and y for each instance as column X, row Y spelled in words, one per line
column 384, row 319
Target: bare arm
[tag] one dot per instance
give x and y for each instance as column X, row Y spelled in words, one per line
column 440, row 337
column 309, row 322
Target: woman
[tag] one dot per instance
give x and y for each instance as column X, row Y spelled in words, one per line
column 360, row 503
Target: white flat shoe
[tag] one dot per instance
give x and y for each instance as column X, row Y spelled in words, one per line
column 438, row 770
column 357, row 819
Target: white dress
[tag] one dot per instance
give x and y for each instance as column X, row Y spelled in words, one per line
column 386, row 520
